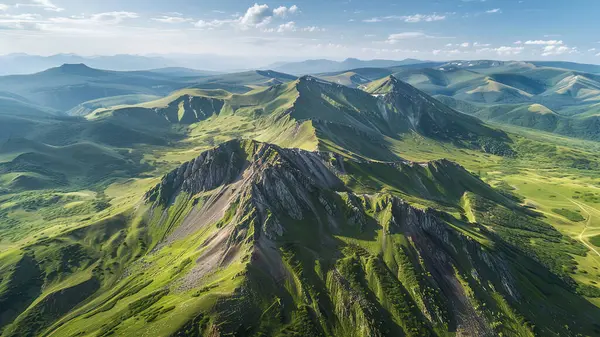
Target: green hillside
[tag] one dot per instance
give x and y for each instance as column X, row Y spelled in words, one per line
column 301, row 207
column 210, row 245
column 508, row 92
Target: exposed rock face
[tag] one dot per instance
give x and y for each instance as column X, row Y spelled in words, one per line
column 271, row 191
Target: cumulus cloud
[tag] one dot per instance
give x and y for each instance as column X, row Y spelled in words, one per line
column 3, row 7
column 544, row 42
column 478, row 44
column 494, row 11
column 256, row 16
column 283, row 11
column 287, row 27
column 465, row 44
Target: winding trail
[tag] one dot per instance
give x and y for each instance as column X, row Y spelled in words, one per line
column 587, row 225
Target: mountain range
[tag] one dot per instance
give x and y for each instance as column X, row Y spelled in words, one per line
column 527, row 94
column 371, row 201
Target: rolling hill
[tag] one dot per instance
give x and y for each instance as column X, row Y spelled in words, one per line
column 65, row 87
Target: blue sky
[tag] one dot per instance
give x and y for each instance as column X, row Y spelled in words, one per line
column 269, row 31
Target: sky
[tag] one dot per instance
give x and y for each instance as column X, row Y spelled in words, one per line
column 284, row 30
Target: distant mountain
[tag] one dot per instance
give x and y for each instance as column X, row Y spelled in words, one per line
column 64, row 87
column 14, row 64
column 489, row 88
column 183, row 72
column 326, row 66
column 586, row 68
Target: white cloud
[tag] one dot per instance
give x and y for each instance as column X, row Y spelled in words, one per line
column 3, row 7
column 558, row 50
column 421, row 17
column 395, row 38
column 45, row 4
column 26, row 21
column 494, row 11
column 545, row 42
column 450, row 52
column 212, row 24
column 171, row 19
column 519, row 42
column 313, row 29
column 502, row 51
column 386, row 50
column 592, row 49
column 408, row 18
column 113, row 17
column 283, row 11
column 287, row 27
column 477, row 44
column 465, row 44
column 257, row 15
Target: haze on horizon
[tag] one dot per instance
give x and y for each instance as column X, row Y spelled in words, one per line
column 271, row 31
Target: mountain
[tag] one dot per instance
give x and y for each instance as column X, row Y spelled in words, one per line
column 64, row 87
column 297, row 208
column 183, row 72
column 328, row 114
column 326, row 66
column 243, row 81
column 489, row 88
column 586, row 68
column 252, row 237
column 88, row 107
column 15, row 64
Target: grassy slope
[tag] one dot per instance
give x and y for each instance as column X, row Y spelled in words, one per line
column 563, row 161
column 135, row 292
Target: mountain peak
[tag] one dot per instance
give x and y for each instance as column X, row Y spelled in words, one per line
column 80, row 69
column 385, row 85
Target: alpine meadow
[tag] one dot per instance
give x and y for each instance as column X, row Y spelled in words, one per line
column 299, row 168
